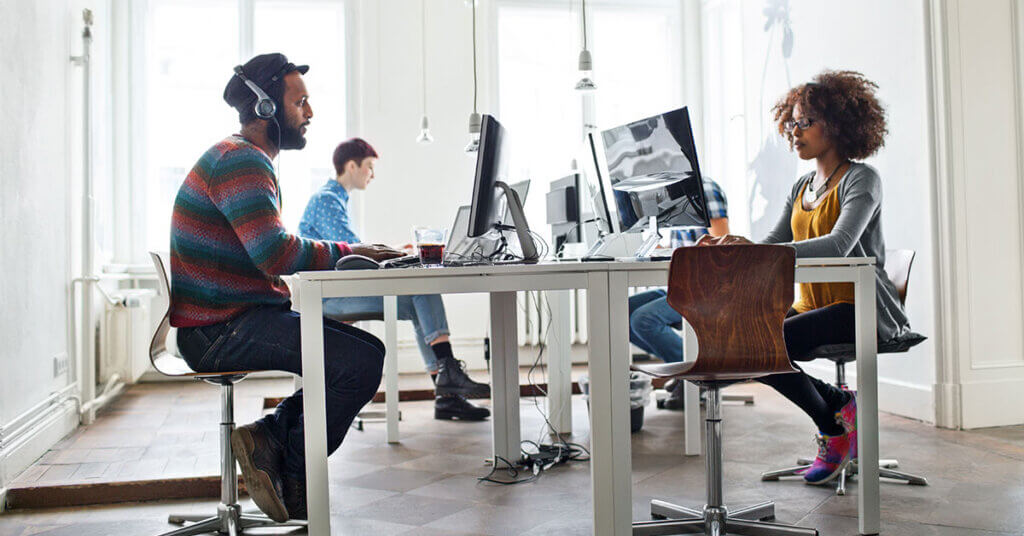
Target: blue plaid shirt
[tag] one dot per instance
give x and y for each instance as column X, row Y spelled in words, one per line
column 326, row 215
column 718, row 207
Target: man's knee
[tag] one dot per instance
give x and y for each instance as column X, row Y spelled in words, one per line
column 643, row 322
column 356, row 364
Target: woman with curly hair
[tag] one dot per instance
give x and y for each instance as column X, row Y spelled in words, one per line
column 833, row 211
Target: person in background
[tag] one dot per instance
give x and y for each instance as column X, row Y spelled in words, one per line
column 229, row 250
column 327, row 218
column 833, row 211
column 652, row 321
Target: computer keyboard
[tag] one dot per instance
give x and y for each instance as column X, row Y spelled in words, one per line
column 402, row 262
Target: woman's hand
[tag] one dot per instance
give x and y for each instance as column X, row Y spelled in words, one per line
column 377, row 252
column 725, row 240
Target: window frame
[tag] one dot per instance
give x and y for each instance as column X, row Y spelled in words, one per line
column 133, row 26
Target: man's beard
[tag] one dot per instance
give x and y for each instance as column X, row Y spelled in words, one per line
column 290, row 137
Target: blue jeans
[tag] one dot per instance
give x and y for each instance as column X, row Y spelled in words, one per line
column 650, row 325
column 426, row 313
column 266, row 337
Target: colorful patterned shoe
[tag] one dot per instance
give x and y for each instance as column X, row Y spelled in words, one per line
column 833, row 456
column 847, row 418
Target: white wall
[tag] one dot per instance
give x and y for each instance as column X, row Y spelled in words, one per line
column 36, row 148
column 420, row 184
column 885, row 41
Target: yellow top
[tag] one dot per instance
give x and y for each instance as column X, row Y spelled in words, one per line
column 809, row 224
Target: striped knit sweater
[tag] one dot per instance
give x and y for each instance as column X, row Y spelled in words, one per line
column 228, row 245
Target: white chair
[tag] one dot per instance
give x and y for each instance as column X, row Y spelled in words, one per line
column 229, row 518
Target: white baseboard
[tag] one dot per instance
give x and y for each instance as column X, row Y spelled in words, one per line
column 23, row 450
column 906, row 399
column 984, row 404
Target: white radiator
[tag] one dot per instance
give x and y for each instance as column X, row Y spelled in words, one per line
column 125, row 335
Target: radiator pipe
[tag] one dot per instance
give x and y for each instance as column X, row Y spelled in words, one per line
column 87, row 367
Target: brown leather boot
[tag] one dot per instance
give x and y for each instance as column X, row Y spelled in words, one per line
column 260, row 461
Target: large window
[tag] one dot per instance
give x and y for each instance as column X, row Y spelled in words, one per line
column 637, row 67
column 191, row 48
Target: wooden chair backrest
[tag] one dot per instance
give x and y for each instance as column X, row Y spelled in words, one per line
column 736, row 299
column 897, row 267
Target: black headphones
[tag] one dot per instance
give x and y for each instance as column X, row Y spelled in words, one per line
column 265, row 107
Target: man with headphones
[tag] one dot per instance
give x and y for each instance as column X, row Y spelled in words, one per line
column 229, row 250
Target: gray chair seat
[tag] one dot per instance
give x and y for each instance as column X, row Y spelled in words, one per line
column 844, row 353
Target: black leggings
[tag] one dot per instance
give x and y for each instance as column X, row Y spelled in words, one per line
column 804, row 331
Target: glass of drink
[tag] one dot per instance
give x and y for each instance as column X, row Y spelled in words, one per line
column 430, row 243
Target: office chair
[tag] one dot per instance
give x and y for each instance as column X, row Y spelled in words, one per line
column 897, row 267
column 229, row 518
column 736, row 298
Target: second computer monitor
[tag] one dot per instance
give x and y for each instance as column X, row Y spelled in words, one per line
column 490, row 168
column 648, row 168
column 490, row 184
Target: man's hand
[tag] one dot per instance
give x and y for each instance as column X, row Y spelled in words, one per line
column 726, row 240
column 377, row 252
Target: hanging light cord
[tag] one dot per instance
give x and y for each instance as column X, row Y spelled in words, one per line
column 474, row 56
column 584, row 24
column 423, row 50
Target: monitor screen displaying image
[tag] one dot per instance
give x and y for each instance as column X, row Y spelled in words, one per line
column 649, row 168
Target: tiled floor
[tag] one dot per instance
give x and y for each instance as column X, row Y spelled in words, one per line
column 428, row 484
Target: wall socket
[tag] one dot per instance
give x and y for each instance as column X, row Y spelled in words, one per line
column 60, row 364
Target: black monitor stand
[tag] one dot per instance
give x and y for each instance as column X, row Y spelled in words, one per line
column 515, row 207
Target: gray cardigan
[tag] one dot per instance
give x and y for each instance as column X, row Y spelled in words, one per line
column 857, row 233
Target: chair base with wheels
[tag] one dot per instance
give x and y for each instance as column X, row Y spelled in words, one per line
column 229, row 518
column 715, row 518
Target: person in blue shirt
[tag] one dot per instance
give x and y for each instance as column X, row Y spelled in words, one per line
column 652, row 321
column 326, row 218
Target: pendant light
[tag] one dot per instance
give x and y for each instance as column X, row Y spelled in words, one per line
column 474, row 118
column 586, row 62
column 425, row 136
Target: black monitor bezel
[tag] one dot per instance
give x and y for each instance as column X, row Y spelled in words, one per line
column 483, row 214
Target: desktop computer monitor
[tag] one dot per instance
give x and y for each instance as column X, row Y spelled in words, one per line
column 489, row 185
column 648, row 168
column 563, row 211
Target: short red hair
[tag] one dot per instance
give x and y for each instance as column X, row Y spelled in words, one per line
column 352, row 149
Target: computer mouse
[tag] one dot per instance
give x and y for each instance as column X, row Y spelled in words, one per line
column 356, row 262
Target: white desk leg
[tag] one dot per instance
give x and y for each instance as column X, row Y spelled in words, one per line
column 691, row 396
column 505, row 375
column 869, row 505
column 315, row 407
column 559, row 341
column 608, row 359
column 391, row 367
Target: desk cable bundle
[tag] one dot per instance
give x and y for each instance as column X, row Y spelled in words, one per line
column 537, row 456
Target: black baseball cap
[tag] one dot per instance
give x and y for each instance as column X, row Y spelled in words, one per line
column 266, row 71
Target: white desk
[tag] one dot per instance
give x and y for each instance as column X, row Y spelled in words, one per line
column 608, row 359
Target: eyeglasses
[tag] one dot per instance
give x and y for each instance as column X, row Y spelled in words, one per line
column 804, row 124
